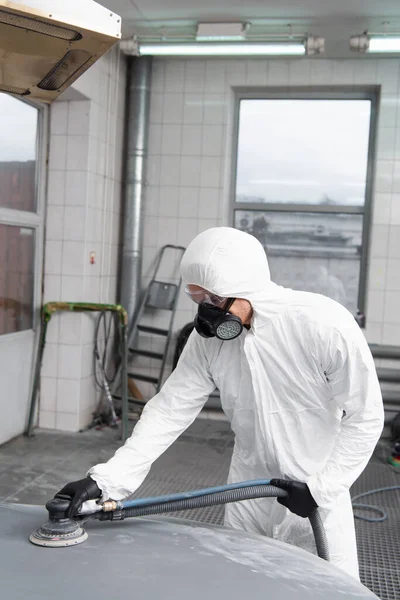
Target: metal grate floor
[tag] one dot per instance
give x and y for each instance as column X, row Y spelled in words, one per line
column 33, row 470
column 379, row 543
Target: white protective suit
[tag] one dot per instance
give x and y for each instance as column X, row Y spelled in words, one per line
column 299, row 388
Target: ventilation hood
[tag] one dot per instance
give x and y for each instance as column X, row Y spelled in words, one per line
column 46, row 45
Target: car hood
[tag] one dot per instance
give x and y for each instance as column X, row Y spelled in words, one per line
column 161, row 558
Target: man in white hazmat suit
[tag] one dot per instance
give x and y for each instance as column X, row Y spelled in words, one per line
column 298, row 386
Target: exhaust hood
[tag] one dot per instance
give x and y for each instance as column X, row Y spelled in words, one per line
column 46, row 45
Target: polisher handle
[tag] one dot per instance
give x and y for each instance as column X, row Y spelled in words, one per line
column 58, row 507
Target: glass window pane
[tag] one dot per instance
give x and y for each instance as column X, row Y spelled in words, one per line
column 18, row 126
column 16, row 278
column 303, row 151
column 314, row 252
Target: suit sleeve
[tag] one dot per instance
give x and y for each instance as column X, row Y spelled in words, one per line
column 351, row 373
column 163, row 419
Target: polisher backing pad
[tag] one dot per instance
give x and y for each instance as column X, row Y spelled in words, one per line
column 44, row 537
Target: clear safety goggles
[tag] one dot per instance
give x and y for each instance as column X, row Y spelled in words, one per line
column 202, row 295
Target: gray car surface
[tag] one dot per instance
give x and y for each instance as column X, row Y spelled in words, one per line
column 160, row 557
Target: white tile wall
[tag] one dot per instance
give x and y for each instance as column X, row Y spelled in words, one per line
column 67, row 422
column 59, row 119
column 55, row 220
column 73, row 257
column 83, row 215
column 56, row 187
column 58, row 154
column 172, row 108
column 76, row 188
column 171, row 139
column 70, row 327
column 52, row 288
column 377, row 273
column 170, row 169
column 212, row 139
column 195, row 73
column 382, row 208
column 74, row 223
column 391, row 334
column 47, row 419
column 69, row 361
column 67, row 395
column 188, row 201
column 190, row 171
column 375, row 305
column 256, row 72
column 393, row 275
column 188, row 179
column 192, row 140
column 197, row 100
column 379, row 241
column 52, row 265
column 192, row 109
column 394, row 241
column 48, row 393
column 168, row 204
column 78, row 118
column 391, row 310
column 71, row 288
column 174, row 76
column 395, row 210
column 384, row 170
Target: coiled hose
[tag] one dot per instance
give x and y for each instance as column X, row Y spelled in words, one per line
column 382, row 515
column 211, row 497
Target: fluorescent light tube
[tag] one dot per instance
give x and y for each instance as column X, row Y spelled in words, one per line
column 384, row 44
column 239, row 49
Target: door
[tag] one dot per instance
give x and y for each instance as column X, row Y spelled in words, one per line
column 23, row 145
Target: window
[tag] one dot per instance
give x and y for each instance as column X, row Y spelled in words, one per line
column 16, row 278
column 301, row 188
column 18, row 148
column 20, row 222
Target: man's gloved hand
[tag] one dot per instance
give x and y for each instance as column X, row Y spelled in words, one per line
column 299, row 501
column 78, row 492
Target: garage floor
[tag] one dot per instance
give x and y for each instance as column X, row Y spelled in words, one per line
column 32, row 470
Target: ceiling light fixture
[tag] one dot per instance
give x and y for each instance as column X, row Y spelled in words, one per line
column 281, row 46
column 382, row 42
column 218, row 32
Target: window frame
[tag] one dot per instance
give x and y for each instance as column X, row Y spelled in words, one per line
column 370, row 93
column 34, row 220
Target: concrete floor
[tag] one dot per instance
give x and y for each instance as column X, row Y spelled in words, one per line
column 32, row 470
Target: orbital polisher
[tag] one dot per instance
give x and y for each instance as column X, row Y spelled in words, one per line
column 61, row 531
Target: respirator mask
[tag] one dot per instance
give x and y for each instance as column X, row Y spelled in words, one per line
column 213, row 318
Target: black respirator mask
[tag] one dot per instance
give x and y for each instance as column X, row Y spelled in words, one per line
column 212, row 321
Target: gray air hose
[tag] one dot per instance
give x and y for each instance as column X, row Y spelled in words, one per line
column 213, row 499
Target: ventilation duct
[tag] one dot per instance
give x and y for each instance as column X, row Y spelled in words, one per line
column 45, row 45
column 139, row 83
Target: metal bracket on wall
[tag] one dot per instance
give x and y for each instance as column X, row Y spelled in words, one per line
column 48, row 310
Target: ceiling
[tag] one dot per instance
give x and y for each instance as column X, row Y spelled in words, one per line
column 336, row 20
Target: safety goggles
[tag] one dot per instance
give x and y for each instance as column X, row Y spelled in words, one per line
column 200, row 295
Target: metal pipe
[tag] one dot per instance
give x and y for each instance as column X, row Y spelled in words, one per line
column 392, row 375
column 383, row 351
column 138, row 109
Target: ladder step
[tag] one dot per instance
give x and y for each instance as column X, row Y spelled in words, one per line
column 141, row 377
column 155, row 330
column 146, row 353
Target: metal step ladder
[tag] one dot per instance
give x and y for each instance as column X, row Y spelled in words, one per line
column 159, row 296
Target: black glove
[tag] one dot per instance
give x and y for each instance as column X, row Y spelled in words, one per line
column 299, row 500
column 78, row 492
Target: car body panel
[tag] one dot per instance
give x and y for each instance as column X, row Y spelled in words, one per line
column 153, row 558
